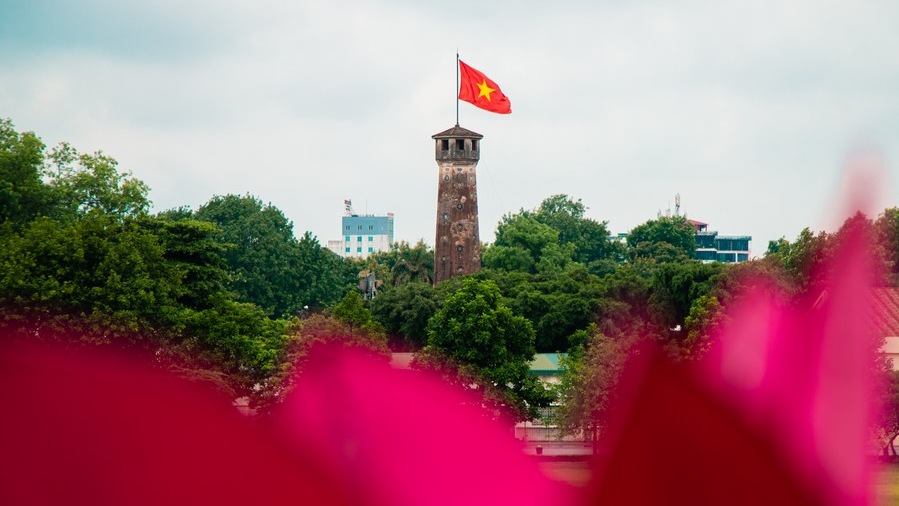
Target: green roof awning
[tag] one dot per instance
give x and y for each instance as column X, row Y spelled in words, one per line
column 545, row 364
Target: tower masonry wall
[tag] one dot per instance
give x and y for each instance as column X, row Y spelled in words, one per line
column 457, row 248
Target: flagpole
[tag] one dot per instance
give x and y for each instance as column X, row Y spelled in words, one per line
column 457, row 86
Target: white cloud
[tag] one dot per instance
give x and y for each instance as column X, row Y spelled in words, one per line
column 746, row 108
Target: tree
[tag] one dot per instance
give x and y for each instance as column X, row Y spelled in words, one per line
column 475, row 339
column 556, row 303
column 404, row 310
column 263, row 257
column 588, row 387
column 888, row 422
column 414, row 264
column 84, row 184
column 81, row 257
column 808, row 259
column 589, row 238
column 887, row 239
column 191, row 248
column 351, row 311
column 323, row 277
column 676, row 285
column 304, row 336
column 666, row 239
column 23, row 195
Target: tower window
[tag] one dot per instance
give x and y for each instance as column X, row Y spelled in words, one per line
column 459, row 206
column 474, row 145
column 460, row 144
column 444, row 144
column 445, row 216
column 459, row 248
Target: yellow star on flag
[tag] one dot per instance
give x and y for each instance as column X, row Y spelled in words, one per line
column 485, row 90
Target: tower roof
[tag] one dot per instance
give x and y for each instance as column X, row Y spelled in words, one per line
column 457, row 132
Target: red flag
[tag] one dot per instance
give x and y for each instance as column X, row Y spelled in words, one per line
column 479, row 90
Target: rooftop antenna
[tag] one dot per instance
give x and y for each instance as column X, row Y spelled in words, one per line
column 677, row 204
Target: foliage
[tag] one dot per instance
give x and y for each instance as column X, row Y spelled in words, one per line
column 304, row 336
column 807, row 260
column 269, row 267
column 589, row 238
column 588, row 387
column 79, row 254
column 520, row 242
column 324, row 276
column 888, row 424
column 85, row 184
column 557, row 304
column 475, row 338
column 550, row 239
column 675, row 286
column 404, row 310
column 23, row 196
column 666, row 239
column 351, row 311
column 413, row 264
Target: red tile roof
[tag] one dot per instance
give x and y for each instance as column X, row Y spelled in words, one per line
column 884, row 311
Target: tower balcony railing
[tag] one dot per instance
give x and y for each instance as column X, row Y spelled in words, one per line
column 453, row 154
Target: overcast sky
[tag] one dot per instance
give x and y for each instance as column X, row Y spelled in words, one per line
column 748, row 109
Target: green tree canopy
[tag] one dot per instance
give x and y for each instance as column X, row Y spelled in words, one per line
column 404, row 310
column 552, row 238
column 589, row 384
column 23, row 195
column 269, row 267
column 484, row 342
column 84, row 184
column 666, row 239
column 589, row 238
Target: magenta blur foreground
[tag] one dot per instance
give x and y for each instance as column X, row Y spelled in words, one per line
column 776, row 415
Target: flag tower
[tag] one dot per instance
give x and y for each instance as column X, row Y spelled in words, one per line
column 457, row 248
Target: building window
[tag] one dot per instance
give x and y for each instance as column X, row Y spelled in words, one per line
column 347, row 227
column 359, row 227
column 371, row 227
column 370, row 249
column 348, row 250
column 370, row 238
column 347, row 238
column 358, row 250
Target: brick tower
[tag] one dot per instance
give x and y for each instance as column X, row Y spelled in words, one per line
column 457, row 248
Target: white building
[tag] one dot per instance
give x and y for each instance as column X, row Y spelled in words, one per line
column 363, row 235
